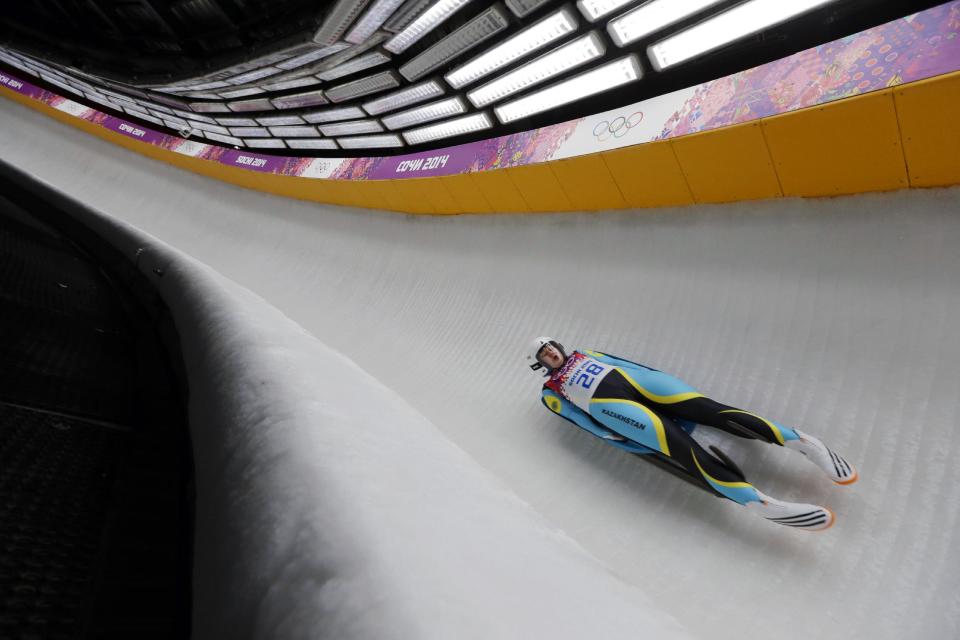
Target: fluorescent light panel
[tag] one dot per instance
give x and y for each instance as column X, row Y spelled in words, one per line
column 250, row 132
column 312, row 56
column 366, row 61
column 364, row 86
column 253, row 76
column 560, row 60
column 197, row 116
column 210, row 86
column 593, row 10
column 550, row 29
column 203, row 95
column 426, row 113
column 405, row 97
column 152, row 119
column 338, row 20
column 241, row 93
column 370, row 142
column 424, row 24
column 603, row 78
column 237, row 122
column 294, row 83
column 269, row 143
column 177, row 125
column 483, row 27
column 300, row 100
column 311, row 144
column 407, row 14
column 203, row 126
column 294, row 132
column 351, row 128
column 741, row 21
column 459, row 126
column 274, row 121
column 241, row 106
column 332, row 115
column 237, row 142
column 652, row 17
column 375, row 16
column 521, row 8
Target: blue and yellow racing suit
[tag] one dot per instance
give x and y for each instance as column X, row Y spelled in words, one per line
column 643, row 410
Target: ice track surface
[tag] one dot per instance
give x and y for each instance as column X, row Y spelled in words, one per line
column 836, row 316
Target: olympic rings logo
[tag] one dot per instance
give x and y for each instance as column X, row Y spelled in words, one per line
column 618, row 127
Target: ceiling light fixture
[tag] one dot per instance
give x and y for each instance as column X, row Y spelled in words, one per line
column 300, row 100
column 370, row 142
column 237, row 122
column 336, row 22
column 426, row 113
column 366, row 61
column 407, row 14
column 351, row 128
column 521, row 8
column 424, row 24
column 311, row 144
column 375, row 16
column 405, row 97
column 603, row 78
column 236, row 142
column 268, row 143
column 456, row 127
column 260, row 104
column 652, row 17
column 250, row 76
column 593, row 10
column 552, row 28
column 274, row 121
column 364, row 86
column 294, row 83
column 207, row 107
column 560, row 60
column 312, row 56
column 332, row 115
column 480, row 29
column 294, row 132
column 250, row 132
column 241, row 93
column 739, row 22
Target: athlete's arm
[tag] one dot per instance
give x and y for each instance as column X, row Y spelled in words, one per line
column 569, row 411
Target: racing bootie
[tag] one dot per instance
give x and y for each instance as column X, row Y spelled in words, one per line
column 808, row 517
column 839, row 470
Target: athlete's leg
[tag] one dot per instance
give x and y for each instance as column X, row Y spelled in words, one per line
column 616, row 406
column 738, row 422
column 745, row 424
column 659, row 433
column 676, row 399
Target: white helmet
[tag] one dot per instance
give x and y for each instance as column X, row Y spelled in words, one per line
column 537, row 346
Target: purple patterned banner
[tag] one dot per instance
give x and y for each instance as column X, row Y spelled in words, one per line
column 22, row 86
column 133, row 130
column 422, row 165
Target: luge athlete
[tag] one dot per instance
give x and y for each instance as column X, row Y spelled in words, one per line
column 646, row 411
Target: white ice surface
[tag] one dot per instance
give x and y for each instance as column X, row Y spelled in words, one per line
column 836, row 316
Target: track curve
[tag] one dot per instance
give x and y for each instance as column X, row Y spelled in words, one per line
column 836, row 316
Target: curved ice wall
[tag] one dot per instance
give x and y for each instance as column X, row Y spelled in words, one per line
column 831, row 315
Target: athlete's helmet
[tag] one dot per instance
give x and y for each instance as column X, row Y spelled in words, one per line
column 533, row 355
